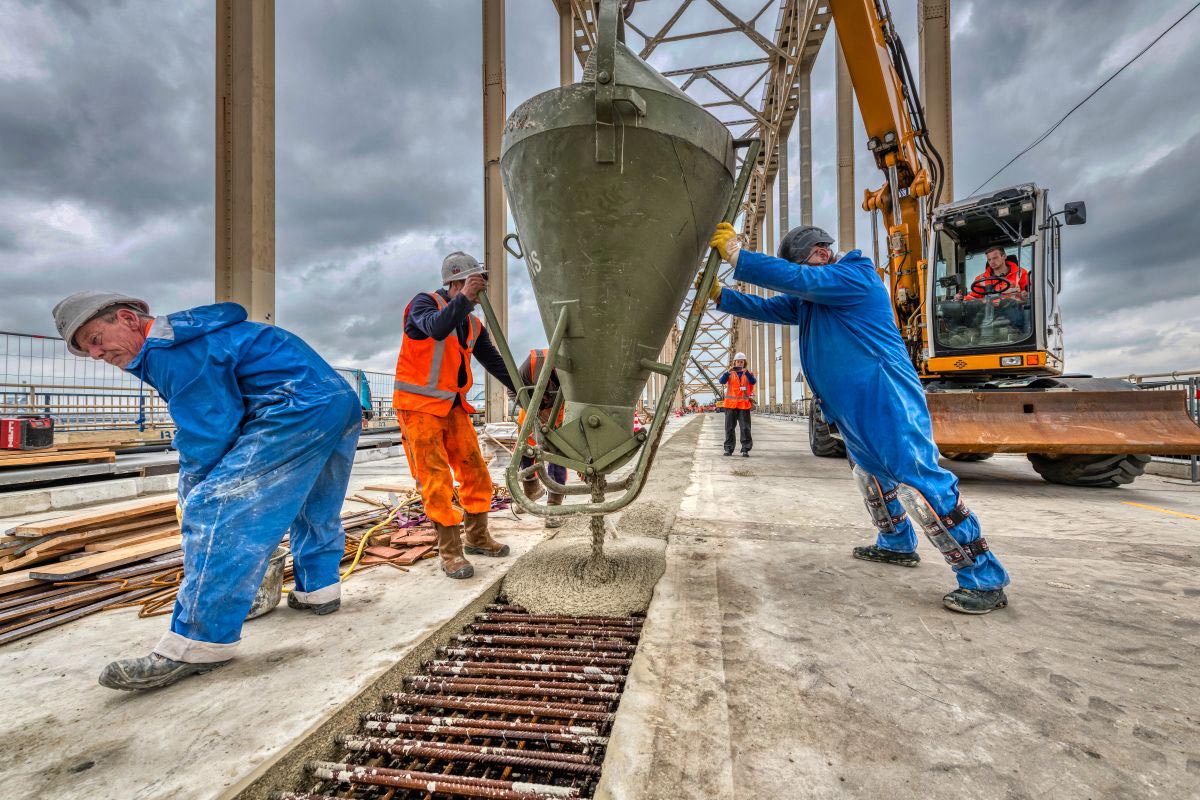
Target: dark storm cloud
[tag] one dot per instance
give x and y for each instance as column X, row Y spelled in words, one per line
column 106, row 126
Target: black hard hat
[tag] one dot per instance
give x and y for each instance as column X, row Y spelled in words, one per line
column 799, row 242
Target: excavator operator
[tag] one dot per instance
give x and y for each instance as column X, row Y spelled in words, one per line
column 856, row 362
column 1005, row 283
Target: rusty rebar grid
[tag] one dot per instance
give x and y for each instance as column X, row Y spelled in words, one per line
column 484, row 669
column 542, row 619
column 431, row 782
column 514, row 629
column 521, row 714
column 535, row 656
column 531, row 641
column 481, row 755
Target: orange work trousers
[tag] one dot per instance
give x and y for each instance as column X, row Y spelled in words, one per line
column 440, row 450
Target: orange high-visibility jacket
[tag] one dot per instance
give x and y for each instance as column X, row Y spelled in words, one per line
column 738, row 390
column 534, row 355
column 427, row 369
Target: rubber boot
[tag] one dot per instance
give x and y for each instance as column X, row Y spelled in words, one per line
column 554, row 499
column 150, row 672
column 874, row 552
column 975, row 601
column 533, row 488
column 320, row 609
column 479, row 541
column 450, row 548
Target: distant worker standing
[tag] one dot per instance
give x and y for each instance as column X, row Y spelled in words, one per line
column 856, row 362
column 433, row 377
column 739, row 384
column 364, row 397
column 530, row 371
column 266, row 433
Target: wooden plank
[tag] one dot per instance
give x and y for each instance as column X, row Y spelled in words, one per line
column 127, row 539
column 117, row 511
column 394, row 488
column 75, row 456
column 16, row 582
column 58, row 544
column 77, row 568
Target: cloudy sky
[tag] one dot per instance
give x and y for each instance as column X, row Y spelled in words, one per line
column 106, row 155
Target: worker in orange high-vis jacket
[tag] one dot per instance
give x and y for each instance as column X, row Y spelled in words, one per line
column 739, row 389
column 529, row 372
column 433, row 376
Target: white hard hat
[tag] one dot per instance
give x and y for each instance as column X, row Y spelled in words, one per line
column 460, row 266
column 739, row 356
column 73, row 312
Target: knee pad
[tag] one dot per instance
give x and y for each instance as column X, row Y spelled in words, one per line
column 937, row 528
column 876, row 501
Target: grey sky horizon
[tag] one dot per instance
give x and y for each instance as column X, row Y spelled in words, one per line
column 106, row 147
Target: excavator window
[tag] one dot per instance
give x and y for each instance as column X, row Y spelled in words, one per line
column 984, row 293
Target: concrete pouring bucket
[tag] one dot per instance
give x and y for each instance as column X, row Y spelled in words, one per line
column 615, row 184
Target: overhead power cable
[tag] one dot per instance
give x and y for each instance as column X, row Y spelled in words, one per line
column 1091, row 94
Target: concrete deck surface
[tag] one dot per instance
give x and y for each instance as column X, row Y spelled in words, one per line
column 774, row 665
column 62, row 735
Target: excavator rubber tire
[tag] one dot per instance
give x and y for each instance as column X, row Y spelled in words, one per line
column 1102, row 472
column 967, row 457
column 820, row 441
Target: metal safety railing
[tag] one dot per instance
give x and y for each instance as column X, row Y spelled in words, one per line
column 1189, row 382
column 39, row 375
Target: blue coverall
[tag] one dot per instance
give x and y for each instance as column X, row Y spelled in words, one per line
column 266, row 433
column 856, row 362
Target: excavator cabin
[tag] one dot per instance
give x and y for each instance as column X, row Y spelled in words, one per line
column 994, row 285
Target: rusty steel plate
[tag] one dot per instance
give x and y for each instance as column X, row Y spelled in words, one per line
column 1064, row 422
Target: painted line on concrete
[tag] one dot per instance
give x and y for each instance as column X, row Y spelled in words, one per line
column 1162, row 510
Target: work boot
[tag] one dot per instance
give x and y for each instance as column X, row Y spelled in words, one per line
column 450, row 548
column 745, row 454
column 554, row 499
column 975, row 601
column 533, row 488
column 874, row 552
column 150, row 672
column 320, row 609
column 479, row 541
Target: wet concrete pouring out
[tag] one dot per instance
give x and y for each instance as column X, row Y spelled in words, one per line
column 516, row 707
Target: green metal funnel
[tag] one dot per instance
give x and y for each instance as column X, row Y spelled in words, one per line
column 615, row 184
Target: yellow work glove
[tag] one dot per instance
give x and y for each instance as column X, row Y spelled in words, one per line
column 714, row 293
column 725, row 240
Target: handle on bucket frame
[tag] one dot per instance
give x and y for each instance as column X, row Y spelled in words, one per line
column 637, row 479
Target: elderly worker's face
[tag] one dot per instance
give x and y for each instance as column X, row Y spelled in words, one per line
column 117, row 342
column 819, row 255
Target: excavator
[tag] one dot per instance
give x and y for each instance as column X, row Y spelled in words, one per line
column 987, row 343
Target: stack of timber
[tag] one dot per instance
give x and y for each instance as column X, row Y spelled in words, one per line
column 57, row 455
column 128, row 555
column 64, row 568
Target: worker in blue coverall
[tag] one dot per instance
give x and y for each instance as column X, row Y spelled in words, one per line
column 266, row 433
column 856, row 362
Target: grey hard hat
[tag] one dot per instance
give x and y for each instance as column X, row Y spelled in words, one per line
column 73, row 312
column 799, row 242
column 459, row 265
